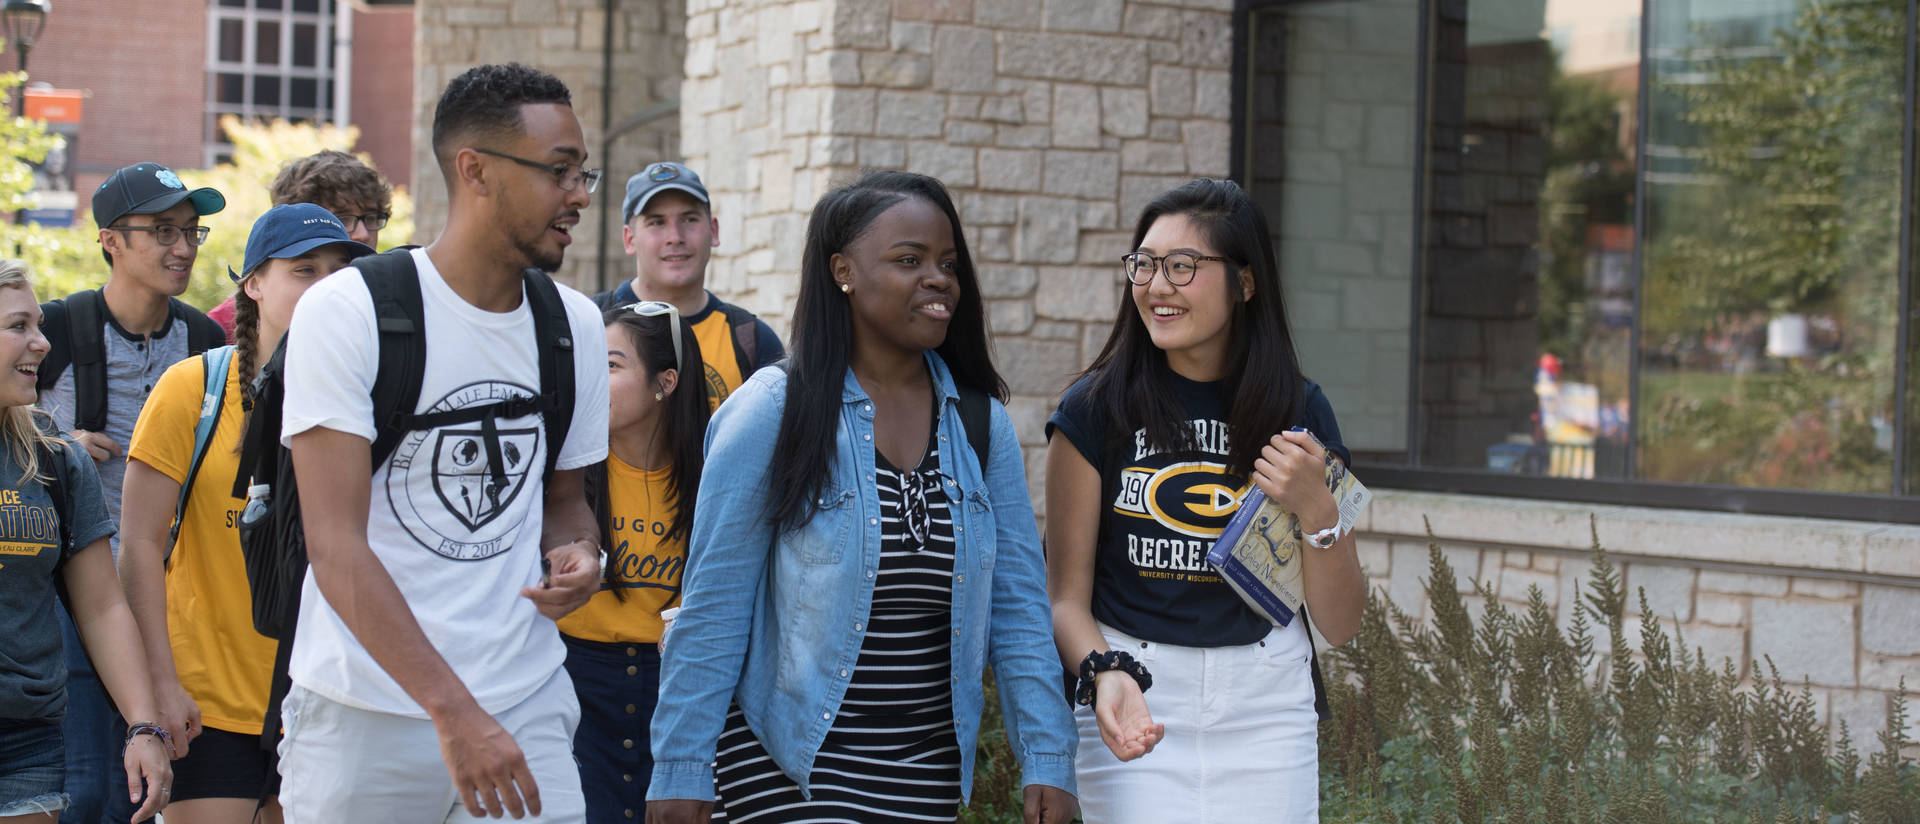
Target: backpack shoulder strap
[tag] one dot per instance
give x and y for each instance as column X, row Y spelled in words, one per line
column 395, row 286
column 746, row 337
column 53, row 324
column 976, row 417
column 553, row 334
column 216, row 362
column 203, row 333
column 86, row 328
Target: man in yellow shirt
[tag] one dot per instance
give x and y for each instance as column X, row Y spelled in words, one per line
column 671, row 232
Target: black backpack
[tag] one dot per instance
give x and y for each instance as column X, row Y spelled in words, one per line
column 75, row 326
column 272, row 536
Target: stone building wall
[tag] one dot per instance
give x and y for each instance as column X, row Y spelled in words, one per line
column 1053, row 122
column 567, row 38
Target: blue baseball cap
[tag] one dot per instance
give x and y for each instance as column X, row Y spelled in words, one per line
column 148, row 189
column 657, row 178
column 291, row 230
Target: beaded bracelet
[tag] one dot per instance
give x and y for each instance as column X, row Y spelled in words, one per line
column 1098, row 662
column 148, row 728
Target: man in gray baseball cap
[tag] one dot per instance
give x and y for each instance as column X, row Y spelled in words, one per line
column 671, row 232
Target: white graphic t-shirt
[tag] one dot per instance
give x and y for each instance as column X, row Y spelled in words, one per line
column 459, row 538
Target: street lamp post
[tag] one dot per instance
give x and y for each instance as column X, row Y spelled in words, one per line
column 24, row 19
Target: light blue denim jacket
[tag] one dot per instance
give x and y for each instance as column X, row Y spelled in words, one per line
column 774, row 619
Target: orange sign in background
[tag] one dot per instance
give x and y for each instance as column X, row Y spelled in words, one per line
column 55, row 105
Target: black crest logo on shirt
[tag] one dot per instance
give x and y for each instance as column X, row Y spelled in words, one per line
column 1193, row 498
column 716, row 385
column 442, row 483
column 463, row 474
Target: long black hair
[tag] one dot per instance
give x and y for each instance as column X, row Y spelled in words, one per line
column 683, row 426
column 822, row 340
column 1265, row 389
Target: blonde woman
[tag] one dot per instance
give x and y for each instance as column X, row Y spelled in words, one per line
column 211, row 670
column 39, row 556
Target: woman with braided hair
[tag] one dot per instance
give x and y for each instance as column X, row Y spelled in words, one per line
column 211, row 670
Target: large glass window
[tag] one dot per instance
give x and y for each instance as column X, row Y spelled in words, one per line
column 1645, row 250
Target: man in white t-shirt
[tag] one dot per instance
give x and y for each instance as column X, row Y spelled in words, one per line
column 426, row 665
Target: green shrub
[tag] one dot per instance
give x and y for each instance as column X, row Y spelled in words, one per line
column 1509, row 719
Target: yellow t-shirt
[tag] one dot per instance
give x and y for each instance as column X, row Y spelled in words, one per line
column 645, row 564
column 716, row 349
column 223, row 663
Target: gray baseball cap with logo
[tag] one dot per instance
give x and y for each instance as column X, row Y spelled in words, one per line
column 657, row 178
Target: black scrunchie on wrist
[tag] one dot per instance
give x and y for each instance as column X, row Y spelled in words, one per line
column 1099, row 662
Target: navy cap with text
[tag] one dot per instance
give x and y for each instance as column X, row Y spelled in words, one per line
column 291, row 230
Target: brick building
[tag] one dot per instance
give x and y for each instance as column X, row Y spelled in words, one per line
column 156, row 77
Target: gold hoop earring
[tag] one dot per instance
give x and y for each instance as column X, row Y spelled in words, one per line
column 846, row 288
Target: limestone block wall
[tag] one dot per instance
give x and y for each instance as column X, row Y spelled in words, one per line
column 1835, row 603
column 568, row 39
column 1053, row 122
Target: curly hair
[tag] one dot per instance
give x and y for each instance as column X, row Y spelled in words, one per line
column 332, row 178
column 486, row 100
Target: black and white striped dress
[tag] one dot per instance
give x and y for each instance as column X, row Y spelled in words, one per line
column 891, row 754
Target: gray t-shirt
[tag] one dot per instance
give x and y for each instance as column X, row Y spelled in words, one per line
column 33, row 670
column 134, row 365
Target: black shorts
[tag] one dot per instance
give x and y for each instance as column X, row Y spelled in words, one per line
column 221, row 764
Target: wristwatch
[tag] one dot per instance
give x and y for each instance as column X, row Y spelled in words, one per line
column 1324, row 538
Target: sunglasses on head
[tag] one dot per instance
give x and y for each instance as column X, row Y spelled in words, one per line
column 655, row 308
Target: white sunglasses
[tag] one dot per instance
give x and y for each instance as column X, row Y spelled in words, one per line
column 655, row 308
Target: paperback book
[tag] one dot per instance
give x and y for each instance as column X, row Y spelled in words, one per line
column 1259, row 552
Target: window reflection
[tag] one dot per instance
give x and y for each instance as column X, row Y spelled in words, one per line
column 1525, row 355
column 1773, row 184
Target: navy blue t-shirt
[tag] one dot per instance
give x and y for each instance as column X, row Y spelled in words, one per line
column 1161, row 512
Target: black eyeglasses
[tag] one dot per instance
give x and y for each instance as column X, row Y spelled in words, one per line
column 374, row 222
column 655, row 308
column 167, row 235
column 567, row 176
column 1179, row 266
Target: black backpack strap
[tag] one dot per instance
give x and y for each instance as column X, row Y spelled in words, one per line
column 746, row 337
column 395, row 287
column 553, row 335
column 976, row 417
column 53, row 324
column 86, row 328
column 203, row 332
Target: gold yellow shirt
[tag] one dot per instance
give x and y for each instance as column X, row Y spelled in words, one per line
column 645, row 565
column 223, row 663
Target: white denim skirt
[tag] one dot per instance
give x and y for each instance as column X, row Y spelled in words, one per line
column 1241, row 740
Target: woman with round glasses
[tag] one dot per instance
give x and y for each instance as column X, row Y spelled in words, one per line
column 857, row 562
column 1195, row 398
column 643, row 498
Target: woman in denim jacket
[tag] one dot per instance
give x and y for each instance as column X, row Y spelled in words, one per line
column 853, row 569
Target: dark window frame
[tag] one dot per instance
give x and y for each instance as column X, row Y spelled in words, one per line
column 1384, row 471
